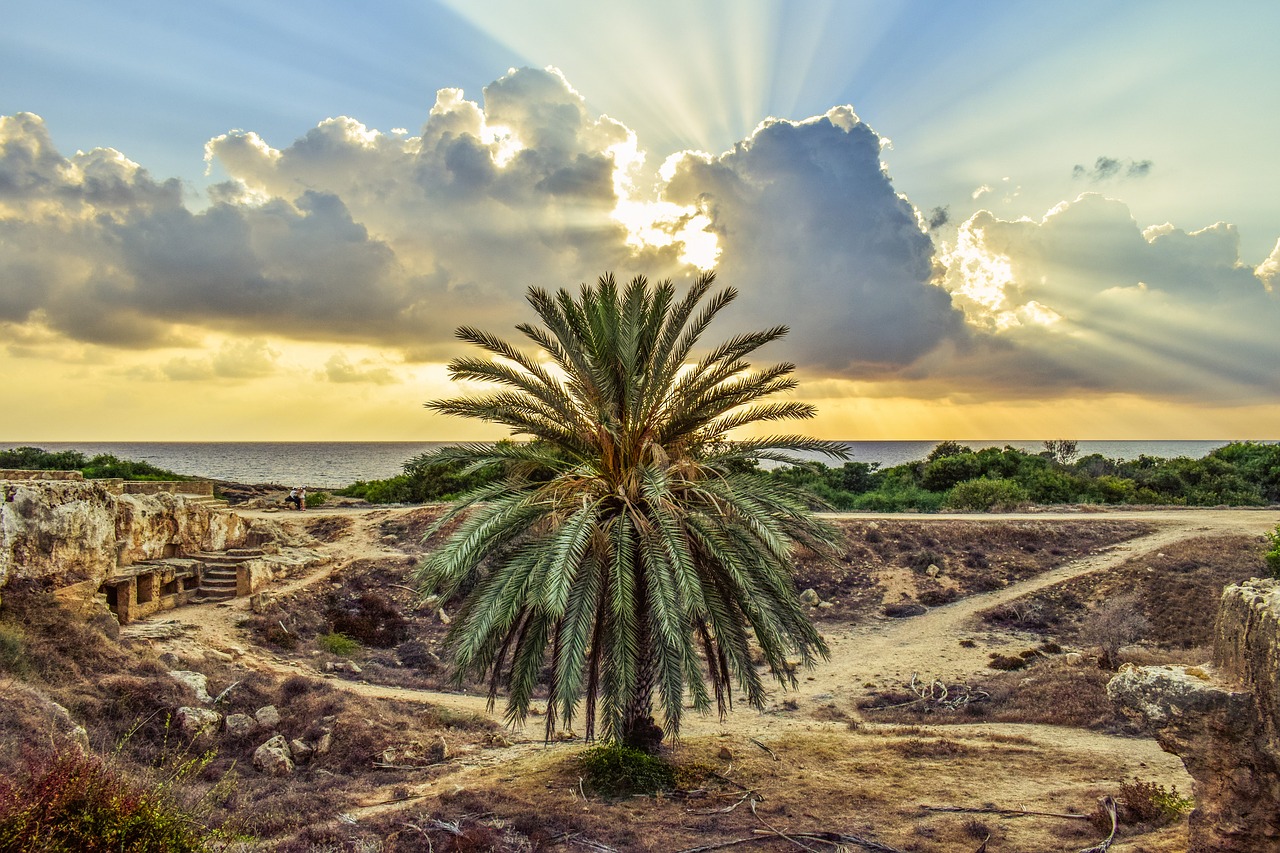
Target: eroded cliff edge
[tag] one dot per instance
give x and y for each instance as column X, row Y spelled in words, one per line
column 1222, row 720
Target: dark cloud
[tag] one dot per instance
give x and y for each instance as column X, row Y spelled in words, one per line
column 938, row 217
column 1109, row 168
column 815, row 236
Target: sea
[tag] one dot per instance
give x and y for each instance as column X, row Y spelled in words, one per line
column 333, row 464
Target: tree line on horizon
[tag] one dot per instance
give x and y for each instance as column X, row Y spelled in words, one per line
column 951, row 477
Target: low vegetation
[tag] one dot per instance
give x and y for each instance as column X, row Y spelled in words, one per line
column 954, row 477
column 102, row 466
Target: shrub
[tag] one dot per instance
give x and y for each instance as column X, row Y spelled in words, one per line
column 337, row 643
column 986, row 495
column 1115, row 623
column 370, row 619
column 72, row 801
column 1007, row 663
column 315, row 499
column 1273, row 556
column 1148, row 802
column 614, row 770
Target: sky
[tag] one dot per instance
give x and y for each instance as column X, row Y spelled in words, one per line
column 239, row 220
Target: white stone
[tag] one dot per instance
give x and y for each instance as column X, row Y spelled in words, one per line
column 268, row 716
column 198, row 682
column 274, row 757
column 197, row 721
column 239, row 725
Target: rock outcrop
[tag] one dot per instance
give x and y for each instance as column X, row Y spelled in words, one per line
column 1223, row 721
column 72, row 534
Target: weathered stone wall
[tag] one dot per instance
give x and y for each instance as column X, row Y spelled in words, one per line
column 77, row 532
column 1221, row 720
column 60, row 528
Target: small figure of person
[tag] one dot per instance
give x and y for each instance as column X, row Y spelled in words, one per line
column 302, row 498
column 294, row 499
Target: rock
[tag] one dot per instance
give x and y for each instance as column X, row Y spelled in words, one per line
column 726, row 754
column 267, row 716
column 239, row 725
column 260, row 602
column 354, row 668
column 214, row 654
column 438, row 751
column 170, row 660
column 1223, row 721
column 825, row 605
column 274, row 757
column 933, row 571
column 1073, row 658
column 324, row 743
column 301, row 752
column 198, row 682
column 197, row 721
column 810, row 597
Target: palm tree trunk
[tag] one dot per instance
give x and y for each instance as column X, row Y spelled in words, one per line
column 639, row 730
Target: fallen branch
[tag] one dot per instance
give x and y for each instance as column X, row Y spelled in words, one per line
column 773, row 754
column 838, row 838
column 741, row 787
column 779, row 833
column 724, row 810
column 1002, row 812
column 1108, row 805
column 382, row 765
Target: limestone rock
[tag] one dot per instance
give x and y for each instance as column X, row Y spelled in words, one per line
column 268, row 716
column 197, row 721
column 1221, row 720
column 301, row 751
column 810, row 598
column 239, row 725
column 324, row 743
column 274, row 757
column 198, row 682
column 1073, row 658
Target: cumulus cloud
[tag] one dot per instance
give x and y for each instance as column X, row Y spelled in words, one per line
column 353, row 236
column 1086, row 299
column 249, row 359
column 814, row 234
column 1109, row 168
column 340, row 369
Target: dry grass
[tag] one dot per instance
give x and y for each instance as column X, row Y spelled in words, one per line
column 872, row 785
column 882, row 561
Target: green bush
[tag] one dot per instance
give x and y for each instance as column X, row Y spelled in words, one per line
column 614, row 770
column 1149, row 802
column 68, row 802
column 337, row 643
column 1272, row 557
column 315, row 499
column 986, row 496
column 102, row 466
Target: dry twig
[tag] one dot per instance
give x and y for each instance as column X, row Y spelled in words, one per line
column 1109, row 805
column 1002, row 812
column 772, row 754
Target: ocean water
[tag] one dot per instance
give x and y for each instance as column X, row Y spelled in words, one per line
column 331, row 464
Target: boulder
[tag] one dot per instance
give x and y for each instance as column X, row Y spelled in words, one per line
column 301, row 751
column 239, row 725
column 195, row 722
column 810, row 597
column 1221, row 720
column 267, row 716
column 198, row 682
column 274, row 757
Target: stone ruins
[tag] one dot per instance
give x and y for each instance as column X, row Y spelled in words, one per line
column 1223, row 721
column 133, row 547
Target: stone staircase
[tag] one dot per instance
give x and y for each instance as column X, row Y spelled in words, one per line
column 219, row 571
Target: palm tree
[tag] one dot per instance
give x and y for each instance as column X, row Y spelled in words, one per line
column 630, row 546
